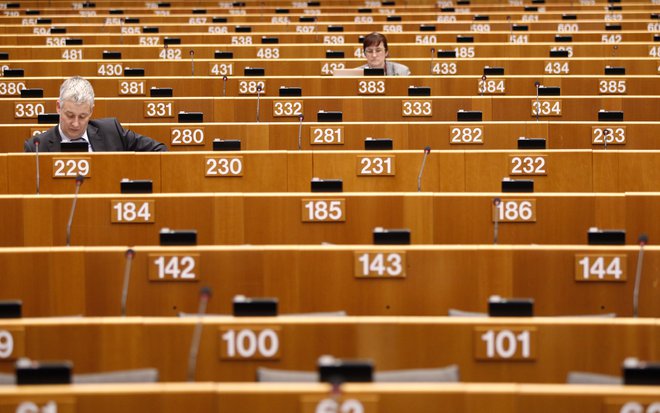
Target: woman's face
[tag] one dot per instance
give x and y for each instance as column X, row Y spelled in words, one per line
column 376, row 55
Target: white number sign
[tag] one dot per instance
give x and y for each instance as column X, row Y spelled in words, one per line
column 599, row 268
column 72, row 167
column 527, row 165
column 377, row 264
column 132, row 211
column 225, row 166
column 250, row 343
column 173, row 267
column 466, row 135
column 187, row 136
column 376, row 165
column 326, row 136
column 504, row 344
column 323, row 210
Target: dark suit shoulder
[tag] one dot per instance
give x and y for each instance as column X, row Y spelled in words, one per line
column 49, row 140
column 104, row 122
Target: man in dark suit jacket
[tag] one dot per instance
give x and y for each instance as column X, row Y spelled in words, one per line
column 75, row 107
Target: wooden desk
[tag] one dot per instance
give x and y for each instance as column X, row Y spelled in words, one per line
column 404, row 135
column 372, row 171
column 288, row 397
column 635, row 41
column 310, row 46
column 638, row 26
column 556, row 346
column 354, row 108
column 308, row 279
column 3, row 167
column 550, row 5
column 104, row 171
column 278, row 218
column 321, row 66
column 459, row 85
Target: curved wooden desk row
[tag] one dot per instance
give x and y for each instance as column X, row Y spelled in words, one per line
column 325, row 67
column 369, row 108
column 417, row 29
column 499, row 12
column 479, row 4
column 541, row 350
column 214, row 86
column 427, row 29
column 309, row 46
column 313, row 218
column 405, row 135
column 389, row 15
column 288, row 398
column 280, row 171
column 360, row 280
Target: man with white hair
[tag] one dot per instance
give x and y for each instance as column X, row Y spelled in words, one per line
column 75, row 107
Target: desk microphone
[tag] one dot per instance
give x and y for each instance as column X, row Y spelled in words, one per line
column 432, row 57
column 121, row 30
column 79, row 181
column 37, row 142
column 258, row 100
column 130, row 253
column 483, row 84
column 301, row 117
column 643, row 240
column 204, row 296
column 537, row 84
column 192, row 62
column 224, row 85
column 614, row 49
column 496, row 226
column 427, row 150
column 606, row 133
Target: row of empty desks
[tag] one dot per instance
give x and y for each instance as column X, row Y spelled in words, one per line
column 417, row 29
column 431, row 24
column 335, row 4
column 544, row 350
column 407, row 12
column 366, row 171
column 313, row 218
column 288, row 397
column 321, row 136
column 366, row 108
column 458, row 85
column 451, row 21
column 299, row 46
column 360, row 279
column 185, row 66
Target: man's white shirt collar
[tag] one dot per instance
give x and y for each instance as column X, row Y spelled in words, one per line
column 67, row 139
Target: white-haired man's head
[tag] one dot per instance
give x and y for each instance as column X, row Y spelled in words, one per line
column 75, row 106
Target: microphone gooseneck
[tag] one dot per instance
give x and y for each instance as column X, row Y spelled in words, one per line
column 643, row 240
column 79, row 181
column 432, row 57
column 300, row 117
column 496, row 223
column 192, row 62
column 204, row 296
column 537, row 84
column 427, row 150
column 37, row 143
column 258, row 100
column 224, row 85
column 130, row 253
